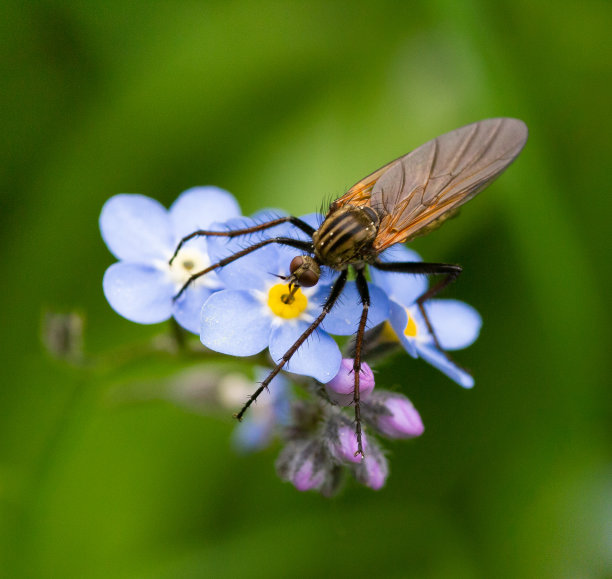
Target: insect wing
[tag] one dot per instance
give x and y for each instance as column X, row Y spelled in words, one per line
column 360, row 193
column 419, row 190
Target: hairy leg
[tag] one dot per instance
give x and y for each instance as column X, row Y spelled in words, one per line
column 245, row 231
column 327, row 306
column 305, row 246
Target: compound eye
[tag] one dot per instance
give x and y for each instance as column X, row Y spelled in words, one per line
column 296, row 263
column 308, row 278
column 305, row 270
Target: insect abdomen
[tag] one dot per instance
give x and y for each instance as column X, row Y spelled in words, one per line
column 345, row 236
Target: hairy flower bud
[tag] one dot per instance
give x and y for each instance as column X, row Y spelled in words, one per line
column 340, row 389
column 305, row 464
column 306, row 478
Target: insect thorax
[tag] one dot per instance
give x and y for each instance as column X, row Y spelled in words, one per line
column 346, row 236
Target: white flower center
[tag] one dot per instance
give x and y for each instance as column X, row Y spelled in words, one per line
column 188, row 262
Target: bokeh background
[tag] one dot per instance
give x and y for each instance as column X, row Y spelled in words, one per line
column 287, row 104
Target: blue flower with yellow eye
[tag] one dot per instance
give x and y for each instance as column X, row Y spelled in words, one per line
column 455, row 323
column 253, row 313
column 143, row 235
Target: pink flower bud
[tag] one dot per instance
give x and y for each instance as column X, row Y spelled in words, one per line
column 373, row 471
column 304, row 479
column 340, row 389
column 403, row 421
column 345, row 447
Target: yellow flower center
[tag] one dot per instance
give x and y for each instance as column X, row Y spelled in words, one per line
column 388, row 334
column 284, row 304
column 411, row 329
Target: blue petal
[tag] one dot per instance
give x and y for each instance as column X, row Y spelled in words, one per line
column 139, row 293
column 220, row 247
column 398, row 318
column 281, row 401
column 198, row 207
column 279, row 386
column 136, row 228
column 259, row 218
column 252, row 434
column 287, row 253
column 257, row 270
column 456, row 324
column 198, row 243
column 234, row 323
column 276, row 257
column 254, row 270
column 403, row 288
column 317, row 295
column 318, row 357
column 287, row 229
column 312, row 219
column 188, row 308
column 265, row 215
column 344, row 318
column 436, row 358
column 328, row 275
column 284, row 253
column 256, row 431
column 280, row 395
column 399, row 252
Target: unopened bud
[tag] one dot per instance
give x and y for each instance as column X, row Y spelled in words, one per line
column 341, row 388
column 344, row 445
column 373, row 470
column 401, row 420
column 305, row 465
column 63, row 336
column 306, row 478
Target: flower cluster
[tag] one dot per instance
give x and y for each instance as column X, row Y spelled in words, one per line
column 322, row 443
column 246, row 308
column 143, row 236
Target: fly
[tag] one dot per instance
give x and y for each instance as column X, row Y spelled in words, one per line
column 404, row 199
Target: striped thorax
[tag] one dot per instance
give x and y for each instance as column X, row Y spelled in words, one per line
column 346, row 236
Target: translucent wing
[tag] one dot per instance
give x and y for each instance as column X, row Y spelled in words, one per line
column 417, row 191
column 360, row 193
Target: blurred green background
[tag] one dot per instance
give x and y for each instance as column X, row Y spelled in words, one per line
column 287, row 104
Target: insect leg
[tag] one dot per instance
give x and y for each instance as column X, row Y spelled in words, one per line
column 327, row 306
column 364, row 294
column 451, row 273
column 305, row 246
column 245, row 231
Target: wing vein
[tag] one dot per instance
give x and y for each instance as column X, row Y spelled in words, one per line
column 416, row 192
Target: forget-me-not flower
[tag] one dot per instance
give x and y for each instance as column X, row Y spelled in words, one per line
column 251, row 315
column 143, row 235
column 272, row 412
column 455, row 323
